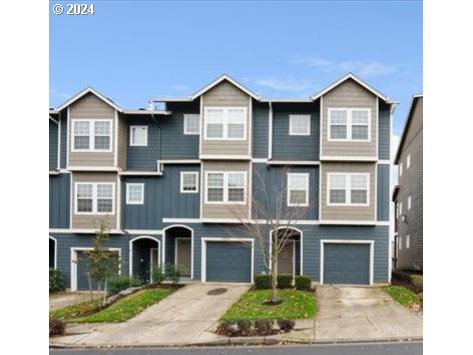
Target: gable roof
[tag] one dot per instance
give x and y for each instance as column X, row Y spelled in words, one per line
column 217, row 81
column 357, row 80
column 88, row 90
column 414, row 100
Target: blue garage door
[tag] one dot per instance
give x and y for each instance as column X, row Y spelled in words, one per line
column 82, row 269
column 347, row 264
column 228, row 262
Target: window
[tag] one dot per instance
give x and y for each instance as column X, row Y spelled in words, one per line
column 400, row 169
column 409, row 202
column 400, row 243
column 225, row 123
column 138, row 136
column 348, row 189
column 400, row 208
column 408, row 161
column 299, row 125
column 347, row 124
column 297, row 189
column 135, row 194
column 94, row 198
column 91, row 135
column 191, row 124
column 408, row 241
column 226, row 187
column 189, row 182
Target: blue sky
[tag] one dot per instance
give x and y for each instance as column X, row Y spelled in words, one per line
column 134, row 50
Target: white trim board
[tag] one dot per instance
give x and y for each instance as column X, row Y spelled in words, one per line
column 301, row 246
column 218, row 81
column 192, row 245
column 55, row 251
column 130, row 251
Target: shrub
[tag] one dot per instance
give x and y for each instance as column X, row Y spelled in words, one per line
column 263, row 326
column 401, row 276
column 286, row 324
column 56, row 281
column 56, row 327
column 285, row 280
column 158, row 274
column 262, row 282
column 227, row 328
column 244, row 325
column 173, row 273
column 303, row 282
column 417, row 283
column 120, row 283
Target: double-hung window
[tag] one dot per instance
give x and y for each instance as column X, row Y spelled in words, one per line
column 189, row 182
column 408, row 241
column 94, row 198
column 191, row 123
column 409, row 202
column 299, row 125
column 297, row 189
column 138, row 136
column 135, row 193
column 349, row 124
column 408, row 161
column 226, row 187
column 225, row 123
column 348, row 189
column 92, row 135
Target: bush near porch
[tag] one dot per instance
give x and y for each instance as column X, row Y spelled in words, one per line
column 301, row 282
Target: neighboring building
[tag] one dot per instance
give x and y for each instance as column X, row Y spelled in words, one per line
column 166, row 182
column 408, row 196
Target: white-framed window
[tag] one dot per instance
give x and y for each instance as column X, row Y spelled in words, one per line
column 135, row 193
column 348, row 189
column 91, row 135
column 408, row 161
column 299, row 125
column 297, row 189
column 94, row 198
column 400, row 243
column 189, row 182
column 400, row 169
column 408, row 241
column 349, row 124
column 227, row 123
column 191, row 123
column 400, row 208
column 409, row 202
column 225, row 187
column 138, row 136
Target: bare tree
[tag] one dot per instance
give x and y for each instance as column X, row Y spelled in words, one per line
column 272, row 221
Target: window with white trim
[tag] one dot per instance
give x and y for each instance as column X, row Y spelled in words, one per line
column 135, row 193
column 408, row 241
column 94, row 198
column 191, row 123
column 400, row 208
column 91, row 135
column 299, row 125
column 225, row 187
column 138, row 136
column 348, row 189
column 400, row 169
column 408, row 161
column 409, row 202
column 349, row 124
column 225, row 123
column 297, row 189
column 189, row 182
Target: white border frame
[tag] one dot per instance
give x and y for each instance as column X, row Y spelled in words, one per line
column 348, row 190
column 181, row 182
column 128, row 202
column 346, row 241
column 132, row 143
column 225, row 123
column 225, row 188
column 291, row 128
column 203, row 259
column 94, row 198
column 288, row 192
column 92, row 122
column 349, row 124
column 175, row 249
column 301, row 246
column 186, row 131
column 130, row 251
column 192, row 245
column 55, row 251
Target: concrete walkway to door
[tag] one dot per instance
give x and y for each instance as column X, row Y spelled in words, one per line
column 184, row 317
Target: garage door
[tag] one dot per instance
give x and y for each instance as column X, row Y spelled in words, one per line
column 346, row 264
column 82, row 269
column 228, row 262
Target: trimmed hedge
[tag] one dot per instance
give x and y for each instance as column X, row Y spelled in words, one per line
column 284, row 281
column 121, row 283
column 56, row 281
column 262, row 282
column 302, row 282
column 414, row 281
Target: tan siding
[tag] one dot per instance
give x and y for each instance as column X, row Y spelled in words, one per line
column 122, row 134
column 349, row 95
column 91, row 107
column 226, row 95
column 348, row 213
column 93, row 221
column 226, row 211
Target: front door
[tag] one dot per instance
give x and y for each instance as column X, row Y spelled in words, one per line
column 183, row 256
column 286, row 258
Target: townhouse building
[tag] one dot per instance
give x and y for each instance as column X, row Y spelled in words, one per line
column 408, row 194
column 173, row 185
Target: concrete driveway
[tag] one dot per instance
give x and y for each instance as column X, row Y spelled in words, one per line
column 184, row 317
column 347, row 313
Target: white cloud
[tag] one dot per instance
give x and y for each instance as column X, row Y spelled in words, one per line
column 286, row 83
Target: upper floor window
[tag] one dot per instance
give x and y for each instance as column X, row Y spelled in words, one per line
column 91, row 135
column 409, row 202
column 191, row 123
column 298, row 189
column 400, row 208
column 349, row 124
column 348, row 189
column 94, row 198
column 189, row 182
column 408, row 241
column 400, row 169
column 299, row 125
column 408, row 161
column 138, row 136
column 225, row 187
column 135, row 193
column 225, row 123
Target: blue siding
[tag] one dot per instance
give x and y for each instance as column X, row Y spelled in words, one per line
column 59, row 196
column 383, row 200
column 143, row 158
column 286, row 147
column 269, row 186
column 384, row 130
column 63, row 146
column 162, row 199
column 260, row 130
column 53, row 138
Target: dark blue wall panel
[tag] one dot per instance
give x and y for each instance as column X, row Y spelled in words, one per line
column 383, row 198
column 59, row 197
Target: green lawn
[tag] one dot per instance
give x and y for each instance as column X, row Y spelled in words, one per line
column 401, row 294
column 126, row 307
column 296, row 305
column 76, row 310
